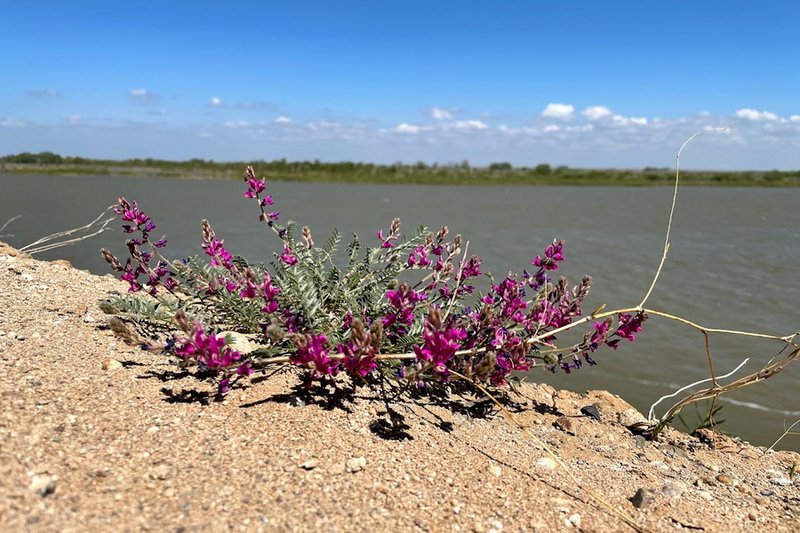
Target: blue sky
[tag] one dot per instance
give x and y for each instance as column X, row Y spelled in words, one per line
column 581, row 83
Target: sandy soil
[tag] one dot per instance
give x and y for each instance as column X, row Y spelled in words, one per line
column 96, row 435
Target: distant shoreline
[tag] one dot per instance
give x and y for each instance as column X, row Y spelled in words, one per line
column 413, row 174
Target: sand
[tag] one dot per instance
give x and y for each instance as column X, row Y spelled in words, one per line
column 96, row 435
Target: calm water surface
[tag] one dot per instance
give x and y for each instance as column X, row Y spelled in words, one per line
column 734, row 261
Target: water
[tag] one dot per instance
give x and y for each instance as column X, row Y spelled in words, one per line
column 734, row 261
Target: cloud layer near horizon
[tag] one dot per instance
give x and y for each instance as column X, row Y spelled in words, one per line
column 595, row 136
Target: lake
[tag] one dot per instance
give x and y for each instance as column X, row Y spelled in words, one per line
column 734, row 261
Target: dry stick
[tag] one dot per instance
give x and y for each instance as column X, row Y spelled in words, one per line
column 787, row 432
column 672, row 208
column 650, row 413
column 706, row 394
column 458, row 282
column 40, row 246
column 787, row 339
column 9, row 221
column 510, row 416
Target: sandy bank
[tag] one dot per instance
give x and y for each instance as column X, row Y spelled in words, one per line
column 99, row 436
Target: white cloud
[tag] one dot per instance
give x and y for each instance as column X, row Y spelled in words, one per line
column 215, row 101
column 551, row 127
column 441, row 114
column 323, row 124
column 619, row 120
column 74, row 119
column 237, row 124
column 142, row 96
column 12, row 122
column 795, row 118
column 42, row 93
column 470, row 125
column 561, row 111
column 407, row 128
column 283, row 120
column 583, row 128
column 596, row 112
column 754, row 114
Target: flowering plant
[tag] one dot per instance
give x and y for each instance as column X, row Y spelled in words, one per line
column 407, row 307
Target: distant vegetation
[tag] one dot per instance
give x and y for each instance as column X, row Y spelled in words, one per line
column 500, row 173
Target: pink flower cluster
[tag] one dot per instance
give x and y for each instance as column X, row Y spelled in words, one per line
column 211, row 352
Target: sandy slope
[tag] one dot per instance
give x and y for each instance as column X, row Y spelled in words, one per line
column 86, row 445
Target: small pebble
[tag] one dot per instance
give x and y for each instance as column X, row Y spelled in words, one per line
column 725, row 479
column 761, row 501
column 574, row 520
column 296, row 401
column 356, row 464
column 111, row 364
column 591, row 411
column 161, row 472
column 752, row 516
column 673, row 489
column 495, row 470
column 566, row 425
column 640, row 499
column 546, row 462
column 781, row 481
column 631, row 417
column 311, row 464
column 43, row 484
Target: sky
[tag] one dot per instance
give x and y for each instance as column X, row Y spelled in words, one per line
column 578, row 83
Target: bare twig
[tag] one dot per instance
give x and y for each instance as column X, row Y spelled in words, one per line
column 690, row 385
column 672, row 208
column 787, row 432
column 767, row 371
column 9, row 221
column 46, row 243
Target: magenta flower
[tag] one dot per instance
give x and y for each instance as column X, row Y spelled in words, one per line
column 270, row 294
column 358, row 360
column 313, row 354
column 471, row 268
column 439, row 346
column 386, row 242
column 553, row 254
column 206, row 348
column 212, row 352
column 215, row 248
column 630, row 325
column 255, row 187
column 288, row 256
column 417, row 257
column 509, row 294
column 403, row 300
